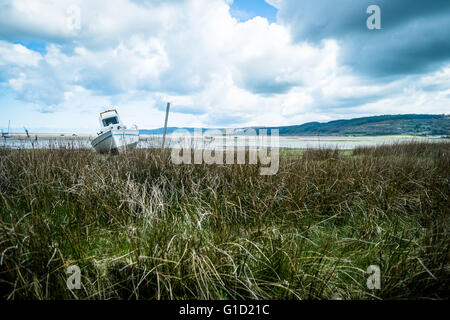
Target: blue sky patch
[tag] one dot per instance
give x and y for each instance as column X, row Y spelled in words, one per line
column 39, row 46
column 244, row 10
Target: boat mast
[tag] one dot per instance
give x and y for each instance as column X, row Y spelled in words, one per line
column 165, row 124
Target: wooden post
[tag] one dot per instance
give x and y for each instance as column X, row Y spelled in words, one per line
column 165, row 124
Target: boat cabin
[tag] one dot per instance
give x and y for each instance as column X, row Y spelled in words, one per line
column 109, row 120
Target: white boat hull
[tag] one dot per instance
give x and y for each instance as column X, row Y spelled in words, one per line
column 116, row 141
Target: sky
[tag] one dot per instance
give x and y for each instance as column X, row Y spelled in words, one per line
column 221, row 63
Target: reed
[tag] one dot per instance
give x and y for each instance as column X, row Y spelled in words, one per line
column 140, row 227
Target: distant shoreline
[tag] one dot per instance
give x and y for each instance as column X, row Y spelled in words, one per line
column 70, row 136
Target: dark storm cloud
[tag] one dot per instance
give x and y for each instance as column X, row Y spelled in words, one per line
column 415, row 35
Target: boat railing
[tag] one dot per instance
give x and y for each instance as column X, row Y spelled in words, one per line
column 111, row 110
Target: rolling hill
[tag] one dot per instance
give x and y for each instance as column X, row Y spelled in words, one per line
column 402, row 124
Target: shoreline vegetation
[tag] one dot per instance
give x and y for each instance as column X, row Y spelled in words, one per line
column 141, row 227
column 420, row 125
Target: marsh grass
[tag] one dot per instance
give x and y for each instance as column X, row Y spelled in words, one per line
column 140, row 227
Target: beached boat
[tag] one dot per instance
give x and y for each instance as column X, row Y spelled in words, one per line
column 114, row 137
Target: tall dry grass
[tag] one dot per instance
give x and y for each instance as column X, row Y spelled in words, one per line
column 140, row 227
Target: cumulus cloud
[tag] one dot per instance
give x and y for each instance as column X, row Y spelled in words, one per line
column 318, row 62
column 415, row 35
column 17, row 55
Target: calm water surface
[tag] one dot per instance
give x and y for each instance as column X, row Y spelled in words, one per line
column 293, row 142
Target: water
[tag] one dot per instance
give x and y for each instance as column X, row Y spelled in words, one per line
column 155, row 141
column 290, row 142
